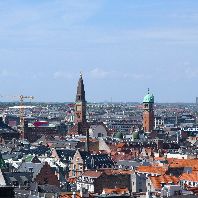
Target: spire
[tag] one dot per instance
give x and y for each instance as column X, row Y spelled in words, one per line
column 80, row 96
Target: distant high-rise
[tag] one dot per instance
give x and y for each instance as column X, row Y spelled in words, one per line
column 196, row 100
column 148, row 114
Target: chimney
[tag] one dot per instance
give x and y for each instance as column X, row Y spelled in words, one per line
column 74, row 195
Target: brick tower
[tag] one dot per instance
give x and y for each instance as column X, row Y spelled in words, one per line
column 148, row 114
column 80, row 105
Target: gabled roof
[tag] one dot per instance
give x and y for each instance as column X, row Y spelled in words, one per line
column 31, row 167
column 157, row 181
column 65, row 155
column 20, row 177
column 189, row 177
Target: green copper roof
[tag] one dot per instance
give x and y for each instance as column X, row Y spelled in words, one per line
column 29, row 158
column 2, row 162
column 118, row 135
column 149, row 98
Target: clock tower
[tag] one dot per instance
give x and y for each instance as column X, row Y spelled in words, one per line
column 80, row 105
column 148, row 114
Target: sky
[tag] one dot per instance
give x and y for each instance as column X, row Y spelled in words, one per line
column 122, row 47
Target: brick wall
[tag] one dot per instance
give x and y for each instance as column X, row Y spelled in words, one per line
column 47, row 176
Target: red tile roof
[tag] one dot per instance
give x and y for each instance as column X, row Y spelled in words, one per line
column 151, row 169
column 157, row 181
column 185, row 163
column 189, row 177
column 90, row 173
column 115, row 190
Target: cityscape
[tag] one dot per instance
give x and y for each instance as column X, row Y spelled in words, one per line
column 124, row 125
column 85, row 149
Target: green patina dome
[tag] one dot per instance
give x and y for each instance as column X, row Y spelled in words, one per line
column 118, row 135
column 149, row 98
column 135, row 135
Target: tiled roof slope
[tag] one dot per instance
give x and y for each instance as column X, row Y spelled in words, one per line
column 157, row 181
column 151, row 169
column 185, row 163
column 189, row 177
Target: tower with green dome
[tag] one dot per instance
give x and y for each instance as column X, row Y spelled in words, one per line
column 148, row 114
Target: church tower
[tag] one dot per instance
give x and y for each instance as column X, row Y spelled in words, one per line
column 148, row 114
column 80, row 105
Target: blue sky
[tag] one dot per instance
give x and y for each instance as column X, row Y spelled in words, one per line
column 121, row 46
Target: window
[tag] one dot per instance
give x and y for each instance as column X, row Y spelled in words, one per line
column 30, row 169
column 45, row 180
column 15, row 183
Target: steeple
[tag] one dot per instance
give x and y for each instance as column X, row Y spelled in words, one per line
column 80, row 106
column 80, row 96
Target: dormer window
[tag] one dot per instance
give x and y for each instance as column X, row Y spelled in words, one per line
column 30, row 169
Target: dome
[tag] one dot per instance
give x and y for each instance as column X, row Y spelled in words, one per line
column 135, row 135
column 118, row 135
column 149, row 98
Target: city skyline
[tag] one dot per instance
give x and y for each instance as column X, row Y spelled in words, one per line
column 121, row 49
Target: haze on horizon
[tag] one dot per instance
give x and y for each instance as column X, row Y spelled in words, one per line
column 121, row 49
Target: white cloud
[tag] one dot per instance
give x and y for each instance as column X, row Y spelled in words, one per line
column 99, row 73
column 191, row 72
column 102, row 74
column 6, row 73
column 62, row 75
column 136, row 76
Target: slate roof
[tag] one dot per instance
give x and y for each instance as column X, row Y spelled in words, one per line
column 40, row 150
column 101, row 161
column 127, row 164
column 31, row 167
column 4, row 128
column 96, row 161
column 65, row 155
column 48, row 189
column 13, row 156
column 20, row 177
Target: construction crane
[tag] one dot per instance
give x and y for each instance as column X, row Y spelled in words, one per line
column 21, row 97
column 21, row 110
